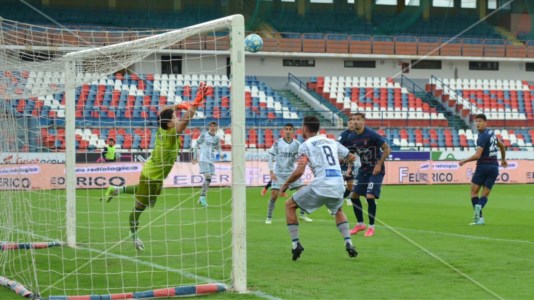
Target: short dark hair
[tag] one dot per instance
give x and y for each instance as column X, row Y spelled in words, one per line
column 213, row 122
column 312, row 123
column 164, row 117
column 289, row 125
column 481, row 116
column 111, row 140
column 359, row 114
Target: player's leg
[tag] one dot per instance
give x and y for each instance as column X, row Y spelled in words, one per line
column 266, row 187
column 293, row 228
column 297, row 185
column 207, row 170
column 360, row 188
column 476, row 183
column 147, row 193
column 275, row 188
column 373, row 193
column 492, row 173
column 342, row 225
column 349, row 185
column 114, row 190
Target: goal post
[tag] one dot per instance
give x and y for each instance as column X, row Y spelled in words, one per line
column 79, row 103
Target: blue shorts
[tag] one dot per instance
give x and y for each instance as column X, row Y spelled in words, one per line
column 366, row 183
column 485, row 175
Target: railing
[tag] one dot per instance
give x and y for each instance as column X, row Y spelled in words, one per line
column 290, row 42
column 302, row 85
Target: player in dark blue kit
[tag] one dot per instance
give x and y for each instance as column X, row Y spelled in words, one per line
column 373, row 151
column 348, row 176
column 487, row 166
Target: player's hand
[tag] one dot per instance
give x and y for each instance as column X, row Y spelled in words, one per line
column 461, row 163
column 194, row 161
column 377, row 169
column 183, row 106
column 201, row 94
column 273, row 176
column 504, row 163
column 283, row 188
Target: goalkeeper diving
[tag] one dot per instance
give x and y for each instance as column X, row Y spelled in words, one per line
column 166, row 148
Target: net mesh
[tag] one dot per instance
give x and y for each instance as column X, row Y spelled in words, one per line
column 122, row 79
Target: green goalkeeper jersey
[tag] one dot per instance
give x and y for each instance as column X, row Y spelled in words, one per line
column 165, row 153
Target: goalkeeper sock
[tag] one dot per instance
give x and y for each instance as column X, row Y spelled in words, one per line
column 128, row 189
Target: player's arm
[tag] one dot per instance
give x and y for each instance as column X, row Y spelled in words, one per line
column 473, row 157
column 197, row 147
column 190, row 113
column 297, row 173
column 502, row 148
column 386, row 150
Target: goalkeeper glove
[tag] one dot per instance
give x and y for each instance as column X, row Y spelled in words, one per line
column 201, row 93
column 183, row 106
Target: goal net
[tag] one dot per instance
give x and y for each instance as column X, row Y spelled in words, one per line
column 64, row 94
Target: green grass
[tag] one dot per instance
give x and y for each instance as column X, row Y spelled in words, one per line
column 423, row 247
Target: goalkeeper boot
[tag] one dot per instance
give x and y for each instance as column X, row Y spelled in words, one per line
column 202, row 201
column 305, row 218
column 138, row 244
column 268, row 220
column 351, row 250
column 111, row 192
column 297, row 251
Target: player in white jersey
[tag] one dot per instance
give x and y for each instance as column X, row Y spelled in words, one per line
column 205, row 151
column 322, row 155
column 282, row 159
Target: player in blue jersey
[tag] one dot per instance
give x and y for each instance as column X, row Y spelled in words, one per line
column 373, row 151
column 487, row 168
column 348, row 176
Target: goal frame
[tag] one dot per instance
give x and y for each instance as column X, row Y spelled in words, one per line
column 237, row 79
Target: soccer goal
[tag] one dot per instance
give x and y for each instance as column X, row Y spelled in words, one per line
column 64, row 93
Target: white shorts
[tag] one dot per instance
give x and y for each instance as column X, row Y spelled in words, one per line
column 281, row 179
column 309, row 201
column 206, row 168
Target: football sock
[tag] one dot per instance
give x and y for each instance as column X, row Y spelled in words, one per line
column 268, row 185
column 134, row 219
column 474, row 201
column 346, row 194
column 270, row 208
column 205, row 186
column 293, row 233
column 371, row 210
column 482, row 201
column 128, row 189
column 343, row 228
column 357, row 207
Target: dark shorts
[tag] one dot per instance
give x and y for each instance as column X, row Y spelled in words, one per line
column 485, row 175
column 366, row 183
column 148, row 190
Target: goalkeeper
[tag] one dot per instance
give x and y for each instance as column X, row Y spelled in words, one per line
column 159, row 165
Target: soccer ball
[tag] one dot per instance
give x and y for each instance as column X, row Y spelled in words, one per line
column 253, row 43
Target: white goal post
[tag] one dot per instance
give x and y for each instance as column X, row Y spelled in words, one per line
column 88, row 246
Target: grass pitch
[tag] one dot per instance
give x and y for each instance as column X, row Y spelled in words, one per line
column 423, row 248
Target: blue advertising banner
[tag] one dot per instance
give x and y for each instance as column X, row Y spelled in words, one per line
column 409, row 155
